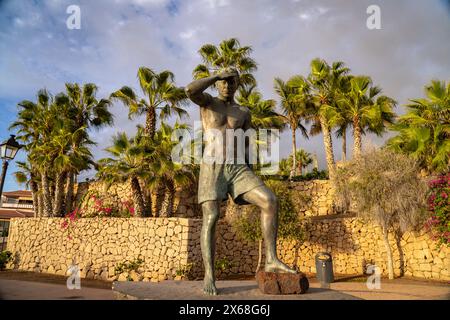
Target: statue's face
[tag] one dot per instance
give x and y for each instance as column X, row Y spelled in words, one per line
column 228, row 87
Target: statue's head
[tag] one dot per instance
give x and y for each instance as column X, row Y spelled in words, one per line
column 228, row 87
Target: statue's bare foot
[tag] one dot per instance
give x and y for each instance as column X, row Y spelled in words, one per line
column 278, row 267
column 209, row 287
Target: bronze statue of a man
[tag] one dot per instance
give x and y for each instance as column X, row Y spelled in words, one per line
column 219, row 179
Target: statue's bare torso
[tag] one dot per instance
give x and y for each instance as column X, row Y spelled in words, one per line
column 223, row 115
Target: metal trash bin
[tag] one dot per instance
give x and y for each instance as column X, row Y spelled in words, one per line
column 324, row 269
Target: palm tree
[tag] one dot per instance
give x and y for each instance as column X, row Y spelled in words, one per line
column 26, row 176
column 303, row 159
column 341, row 132
column 263, row 114
column 326, row 82
column 55, row 132
column 339, row 117
column 160, row 94
column 166, row 172
column 84, row 112
column 70, row 153
column 229, row 53
column 28, row 126
column 295, row 104
column 44, row 122
column 366, row 110
column 424, row 131
column 128, row 164
column 262, row 111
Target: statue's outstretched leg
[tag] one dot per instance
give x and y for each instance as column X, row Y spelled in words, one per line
column 211, row 213
column 266, row 200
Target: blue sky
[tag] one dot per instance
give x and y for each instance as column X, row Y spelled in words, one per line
column 116, row 37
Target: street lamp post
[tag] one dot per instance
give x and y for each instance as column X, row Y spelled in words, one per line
column 8, row 150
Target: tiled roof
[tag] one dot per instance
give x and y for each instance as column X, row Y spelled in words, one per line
column 15, row 213
column 17, row 194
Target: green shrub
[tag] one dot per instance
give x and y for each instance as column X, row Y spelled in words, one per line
column 223, row 264
column 385, row 188
column 184, row 270
column 248, row 225
column 5, row 257
column 314, row 175
column 128, row 267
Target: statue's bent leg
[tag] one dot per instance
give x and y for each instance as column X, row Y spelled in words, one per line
column 266, row 200
column 211, row 212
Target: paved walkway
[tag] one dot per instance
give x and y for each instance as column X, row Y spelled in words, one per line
column 395, row 290
column 402, row 289
column 28, row 290
column 247, row 290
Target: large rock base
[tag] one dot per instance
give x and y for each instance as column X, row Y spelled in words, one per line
column 282, row 283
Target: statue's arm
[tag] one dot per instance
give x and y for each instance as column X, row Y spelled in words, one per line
column 195, row 90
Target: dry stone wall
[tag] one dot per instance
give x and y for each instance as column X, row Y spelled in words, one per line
column 353, row 245
column 185, row 202
column 311, row 198
column 170, row 247
column 97, row 246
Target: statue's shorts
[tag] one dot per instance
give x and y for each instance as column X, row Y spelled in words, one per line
column 216, row 181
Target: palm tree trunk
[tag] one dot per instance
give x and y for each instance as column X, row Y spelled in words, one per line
column 40, row 204
column 137, row 197
column 169, row 199
column 46, row 195
column 70, row 191
column 300, row 167
column 356, row 138
column 328, row 143
column 294, row 153
column 34, row 194
column 159, row 199
column 390, row 259
column 150, row 122
column 344, row 144
column 147, row 195
column 59, row 194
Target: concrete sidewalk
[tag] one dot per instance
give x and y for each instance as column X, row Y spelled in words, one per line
column 28, row 290
column 394, row 290
column 399, row 289
column 248, row 290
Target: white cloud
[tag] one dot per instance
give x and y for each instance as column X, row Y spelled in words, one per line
column 144, row 3
column 187, row 34
column 218, row 3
